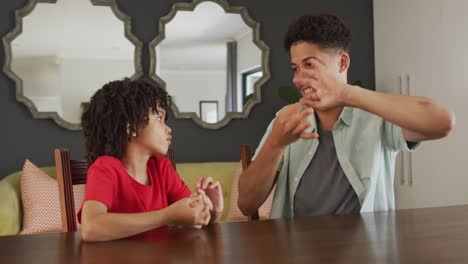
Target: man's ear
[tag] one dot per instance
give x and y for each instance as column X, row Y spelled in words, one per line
column 345, row 61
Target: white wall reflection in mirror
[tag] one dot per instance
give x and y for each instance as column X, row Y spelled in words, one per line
column 203, row 57
column 67, row 51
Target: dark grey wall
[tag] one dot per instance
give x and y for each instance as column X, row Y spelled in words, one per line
column 23, row 137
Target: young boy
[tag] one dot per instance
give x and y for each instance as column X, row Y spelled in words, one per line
column 131, row 187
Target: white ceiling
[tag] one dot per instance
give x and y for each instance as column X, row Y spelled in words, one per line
column 78, row 29
column 207, row 23
column 73, row 29
column 197, row 39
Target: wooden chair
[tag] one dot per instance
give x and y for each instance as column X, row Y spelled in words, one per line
column 69, row 173
column 73, row 172
column 246, row 157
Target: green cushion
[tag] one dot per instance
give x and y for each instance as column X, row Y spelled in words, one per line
column 11, row 211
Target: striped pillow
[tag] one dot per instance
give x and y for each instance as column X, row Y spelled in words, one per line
column 40, row 198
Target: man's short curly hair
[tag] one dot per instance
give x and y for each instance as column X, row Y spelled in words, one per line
column 325, row 30
column 115, row 112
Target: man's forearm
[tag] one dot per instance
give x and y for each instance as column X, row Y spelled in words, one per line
column 215, row 216
column 418, row 114
column 256, row 182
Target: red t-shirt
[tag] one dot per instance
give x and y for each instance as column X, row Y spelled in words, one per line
column 109, row 183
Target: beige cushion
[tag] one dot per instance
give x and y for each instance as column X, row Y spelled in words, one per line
column 219, row 171
column 41, row 204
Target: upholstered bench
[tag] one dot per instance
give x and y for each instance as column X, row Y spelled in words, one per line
column 11, row 208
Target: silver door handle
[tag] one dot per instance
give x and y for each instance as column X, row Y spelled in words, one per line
column 408, row 84
column 402, row 169
column 402, row 157
column 410, row 169
column 400, row 82
column 406, row 168
column 410, row 155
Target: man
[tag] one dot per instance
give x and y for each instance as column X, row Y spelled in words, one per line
column 334, row 151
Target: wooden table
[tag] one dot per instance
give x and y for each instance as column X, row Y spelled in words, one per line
column 433, row 235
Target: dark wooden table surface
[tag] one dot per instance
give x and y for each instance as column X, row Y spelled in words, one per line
column 432, row 235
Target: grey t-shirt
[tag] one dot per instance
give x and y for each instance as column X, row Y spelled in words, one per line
column 324, row 189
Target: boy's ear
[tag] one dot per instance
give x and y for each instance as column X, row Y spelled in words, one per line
column 128, row 131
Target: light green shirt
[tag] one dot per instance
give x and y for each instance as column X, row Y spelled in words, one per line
column 366, row 147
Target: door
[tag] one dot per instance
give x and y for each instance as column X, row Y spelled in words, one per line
column 420, row 49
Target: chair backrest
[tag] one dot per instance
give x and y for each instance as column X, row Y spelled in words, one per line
column 69, row 173
column 246, row 157
column 73, row 172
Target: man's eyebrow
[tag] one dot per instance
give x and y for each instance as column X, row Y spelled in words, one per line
column 306, row 59
column 311, row 57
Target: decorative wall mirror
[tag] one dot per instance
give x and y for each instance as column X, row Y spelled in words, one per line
column 209, row 51
column 61, row 52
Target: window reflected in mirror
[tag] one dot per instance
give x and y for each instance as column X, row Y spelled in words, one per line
column 249, row 78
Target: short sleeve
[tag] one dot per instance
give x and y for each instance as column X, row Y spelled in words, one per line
column 100, row 186
column 176, row 188
column 262, row 142
column 394, row 140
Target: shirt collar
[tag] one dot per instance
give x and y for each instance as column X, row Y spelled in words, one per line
column 346, row 115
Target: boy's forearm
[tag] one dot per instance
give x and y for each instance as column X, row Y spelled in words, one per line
column 111, row 226
column 418, row 114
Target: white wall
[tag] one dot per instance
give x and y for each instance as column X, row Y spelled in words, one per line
column 61, row 85
column 41, row 81
column 81, row 78
column 206, row 56
column 40, row 75
column 198, row 72
column 73, row 81
column 193, row 74
column 189, row 87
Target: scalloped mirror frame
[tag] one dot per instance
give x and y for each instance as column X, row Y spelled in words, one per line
column 255, row 26
column 8, row 38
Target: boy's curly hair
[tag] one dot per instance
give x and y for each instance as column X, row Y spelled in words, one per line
column 325, row 30
column 115, row 112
